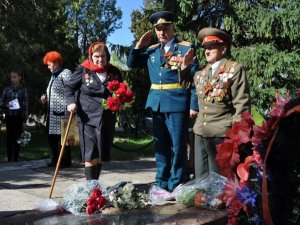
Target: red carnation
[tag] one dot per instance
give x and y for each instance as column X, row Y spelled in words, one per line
column 126, row 96
column 90, row 209
column 123, row 86
column 113, row 104
column 95, row 202
column 113, row 85
column 121, row 90
column 129, row 96
column 96, row 193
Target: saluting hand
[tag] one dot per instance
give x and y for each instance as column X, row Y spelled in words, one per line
column 188, row 58
column 144, row 40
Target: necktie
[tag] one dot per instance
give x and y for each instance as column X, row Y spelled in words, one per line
column 209, row 73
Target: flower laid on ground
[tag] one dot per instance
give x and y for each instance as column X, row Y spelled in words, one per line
column 128, row 197
column 24, row 138
column 120, row 97
column 96, row 201
column 90, row 197
column 84, row 198
column 206, row 192
column 243, row 160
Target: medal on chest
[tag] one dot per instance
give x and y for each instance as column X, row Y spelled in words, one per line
column 216, row 88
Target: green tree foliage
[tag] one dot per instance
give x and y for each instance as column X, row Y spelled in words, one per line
column 30, row 28
column 92, row 20
column 266, row 38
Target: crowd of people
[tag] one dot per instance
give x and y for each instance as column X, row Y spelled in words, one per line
column 214, row 95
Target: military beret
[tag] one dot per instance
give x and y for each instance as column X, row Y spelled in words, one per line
column 163, row 17
column 211, row 36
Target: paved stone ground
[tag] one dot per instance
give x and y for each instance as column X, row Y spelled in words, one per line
column 24, row 185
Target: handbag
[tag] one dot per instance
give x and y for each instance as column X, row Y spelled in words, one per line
column 73, row 135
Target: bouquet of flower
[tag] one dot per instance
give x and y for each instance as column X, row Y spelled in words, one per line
column 128, row 197
column 206, row 192
column 243, row 159
column 95, row 202
column 24, row 138
column 86, row 197
column 121, row 97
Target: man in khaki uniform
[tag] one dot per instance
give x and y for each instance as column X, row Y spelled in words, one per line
column 223, row 94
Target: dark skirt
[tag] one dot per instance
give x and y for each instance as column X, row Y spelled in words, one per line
column 90, row 142
column 96, row 142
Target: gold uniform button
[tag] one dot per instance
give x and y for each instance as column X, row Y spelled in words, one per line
column 204, row 123
column 205, row 107
column 204, row 115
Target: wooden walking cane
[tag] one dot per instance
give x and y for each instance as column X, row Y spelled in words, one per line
column 61, row 154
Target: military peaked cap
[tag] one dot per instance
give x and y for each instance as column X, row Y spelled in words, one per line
column 211, row 36
column 163, row 17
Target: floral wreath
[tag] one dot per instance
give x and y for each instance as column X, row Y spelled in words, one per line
column 242, row 158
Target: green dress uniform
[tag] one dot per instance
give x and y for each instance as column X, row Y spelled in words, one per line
column 222, row 97
column 170, row 104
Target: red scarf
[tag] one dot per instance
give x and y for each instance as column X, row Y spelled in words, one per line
column 88, row 64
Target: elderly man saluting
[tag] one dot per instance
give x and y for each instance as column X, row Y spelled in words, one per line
column 171, row 104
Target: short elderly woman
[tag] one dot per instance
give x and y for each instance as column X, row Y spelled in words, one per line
column 56, row 106
column 96, row 125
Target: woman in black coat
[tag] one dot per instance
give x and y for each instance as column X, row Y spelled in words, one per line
column 96, row 124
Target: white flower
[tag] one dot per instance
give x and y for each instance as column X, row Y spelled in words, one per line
column 128, row 197
column 112, row 196
column 24, row 139
column 216, row 203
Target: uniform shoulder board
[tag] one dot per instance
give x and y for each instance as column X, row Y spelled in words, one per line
column 231, row 63
column 185, row 43
column 154, row 46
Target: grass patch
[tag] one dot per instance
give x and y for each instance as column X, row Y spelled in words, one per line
column 127, row 146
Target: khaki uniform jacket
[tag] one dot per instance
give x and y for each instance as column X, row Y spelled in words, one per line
column 222, row 97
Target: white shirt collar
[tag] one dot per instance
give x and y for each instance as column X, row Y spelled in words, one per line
column 168, row 45
column 215, row 65
column 102, row 76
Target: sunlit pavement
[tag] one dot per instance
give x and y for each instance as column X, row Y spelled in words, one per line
column 24, row 185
